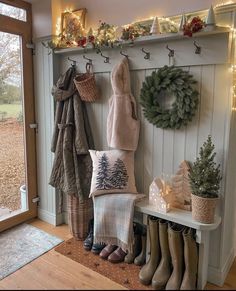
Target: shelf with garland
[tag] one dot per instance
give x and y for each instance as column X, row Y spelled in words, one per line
column 145, row 40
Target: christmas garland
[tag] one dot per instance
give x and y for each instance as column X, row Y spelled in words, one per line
column 173, row 81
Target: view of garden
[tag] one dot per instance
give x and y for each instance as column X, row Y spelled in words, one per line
column 12, row 170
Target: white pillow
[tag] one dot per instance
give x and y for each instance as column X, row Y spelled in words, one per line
column 113, row 172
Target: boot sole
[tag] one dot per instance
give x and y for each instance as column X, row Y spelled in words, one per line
column 159, row 287
column 146, row 283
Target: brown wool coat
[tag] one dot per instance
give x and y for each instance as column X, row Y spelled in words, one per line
column 72, row 138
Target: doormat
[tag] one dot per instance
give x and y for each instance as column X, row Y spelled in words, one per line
column 123, row 274
column 21, row 245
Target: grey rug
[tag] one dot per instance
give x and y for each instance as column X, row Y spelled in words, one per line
column 21, row 245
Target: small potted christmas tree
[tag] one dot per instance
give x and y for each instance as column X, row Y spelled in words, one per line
column 205, row 184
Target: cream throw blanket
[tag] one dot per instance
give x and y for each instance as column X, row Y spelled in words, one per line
column 113, row 219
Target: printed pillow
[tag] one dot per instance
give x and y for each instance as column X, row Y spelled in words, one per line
column 113, row 172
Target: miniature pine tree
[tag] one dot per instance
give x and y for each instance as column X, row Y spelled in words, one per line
column 181, row 187
column 119, row 177
column 205, row 175
column 210, row 20
column 102, row 179
column 155, row 29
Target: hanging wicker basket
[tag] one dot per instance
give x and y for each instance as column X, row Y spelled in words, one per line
column 86, row 85
column 203, row 209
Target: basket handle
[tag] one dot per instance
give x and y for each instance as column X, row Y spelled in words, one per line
column 89, row 68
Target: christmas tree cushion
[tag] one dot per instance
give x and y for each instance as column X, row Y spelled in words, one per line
column 113, row 172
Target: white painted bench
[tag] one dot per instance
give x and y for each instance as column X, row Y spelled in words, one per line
column 185, row 218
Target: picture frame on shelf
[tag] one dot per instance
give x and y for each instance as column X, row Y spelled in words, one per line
column 68, row 18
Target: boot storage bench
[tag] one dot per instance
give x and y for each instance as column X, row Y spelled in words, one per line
column 185, row 218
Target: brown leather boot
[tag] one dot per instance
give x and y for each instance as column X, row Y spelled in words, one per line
column 191, row 261
column 141, row 258
column 176, row 246
column 117, row 256
column 148, row 270
column 163, row 271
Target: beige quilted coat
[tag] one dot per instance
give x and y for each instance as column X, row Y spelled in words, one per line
column 122, row 123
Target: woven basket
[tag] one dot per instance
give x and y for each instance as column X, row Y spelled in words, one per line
column 79, row 214
column 86, row 85
column 203, row 209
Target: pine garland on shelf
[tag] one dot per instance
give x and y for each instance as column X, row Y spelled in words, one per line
column 173, row 81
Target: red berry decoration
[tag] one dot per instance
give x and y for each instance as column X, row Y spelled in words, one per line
column 195, row 25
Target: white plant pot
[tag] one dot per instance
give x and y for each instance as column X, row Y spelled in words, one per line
column 24, row 198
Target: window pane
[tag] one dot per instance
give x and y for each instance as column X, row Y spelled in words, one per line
column 13, row 186
column 14, row 12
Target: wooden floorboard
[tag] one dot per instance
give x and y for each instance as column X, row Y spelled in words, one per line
column 53, row 271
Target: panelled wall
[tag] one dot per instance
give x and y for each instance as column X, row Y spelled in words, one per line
column 159, row 151
column 162, row 151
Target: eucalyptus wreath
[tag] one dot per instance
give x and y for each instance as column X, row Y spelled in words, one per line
column 171, row 81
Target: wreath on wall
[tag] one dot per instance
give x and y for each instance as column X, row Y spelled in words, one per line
column 170, row 81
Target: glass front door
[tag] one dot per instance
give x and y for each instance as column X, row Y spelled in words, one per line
column 17, row 135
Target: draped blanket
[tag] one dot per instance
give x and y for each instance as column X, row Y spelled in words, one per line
column 113, row 219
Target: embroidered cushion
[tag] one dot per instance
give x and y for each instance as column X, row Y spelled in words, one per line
column 113, row 172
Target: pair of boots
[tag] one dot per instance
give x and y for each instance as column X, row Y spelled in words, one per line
column 88, row 242
column 138, row 255
column 173, row 261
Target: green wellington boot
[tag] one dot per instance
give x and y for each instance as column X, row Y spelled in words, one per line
column 163, row 271
column 129, row 259
column 191, row 261
column 141, row 258
column 176, row 246
column 148, row 270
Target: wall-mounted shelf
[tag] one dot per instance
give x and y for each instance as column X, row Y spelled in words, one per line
column 156, row 45
column 145, row 40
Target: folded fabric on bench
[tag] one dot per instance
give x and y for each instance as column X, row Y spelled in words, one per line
column 113, row 219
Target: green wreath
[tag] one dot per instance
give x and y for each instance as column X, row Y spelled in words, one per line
column 176, row 82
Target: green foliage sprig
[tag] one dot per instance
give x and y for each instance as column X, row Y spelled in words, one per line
column 205, row 174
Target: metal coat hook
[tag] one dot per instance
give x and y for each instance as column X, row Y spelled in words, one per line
column 171, row 52
column 147, row 54
column 198, row 48
column 107, row 59
column 121, row 52
column 73, row 62
column 90, row 61
column 98, row 50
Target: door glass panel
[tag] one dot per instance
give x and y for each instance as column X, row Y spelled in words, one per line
column 13, row 198
column 13, row 12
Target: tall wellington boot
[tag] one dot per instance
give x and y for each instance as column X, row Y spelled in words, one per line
column 148, row 270
column 141, row 258
column 177, row 256
column 163, row 271
column 191, row 261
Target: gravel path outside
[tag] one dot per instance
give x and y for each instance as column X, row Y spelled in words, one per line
column 12, row 169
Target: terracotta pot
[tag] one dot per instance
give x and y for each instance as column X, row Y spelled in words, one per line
column 203, row 209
